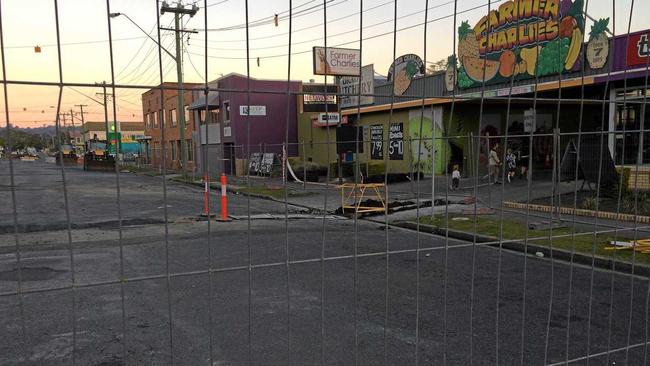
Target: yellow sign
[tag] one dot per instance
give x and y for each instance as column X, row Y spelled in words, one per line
column 520, row 39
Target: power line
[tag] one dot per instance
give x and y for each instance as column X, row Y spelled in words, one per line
column 299, row 29
column 211, row 5
column 332, row 35
column 144, row 41
column 354, row 41
column 151, row 48
column 263, row 21
column 76, row 43
column 189, row 58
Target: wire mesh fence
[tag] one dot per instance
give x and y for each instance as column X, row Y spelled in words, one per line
column 517, row 217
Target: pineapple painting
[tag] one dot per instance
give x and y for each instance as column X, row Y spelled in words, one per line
column 476, row 68
column 403, row 70
column 451, row 74
column 598, row 46
column 467, row 42
column 404, row 76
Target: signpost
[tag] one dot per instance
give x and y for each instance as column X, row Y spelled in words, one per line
column 336, row 61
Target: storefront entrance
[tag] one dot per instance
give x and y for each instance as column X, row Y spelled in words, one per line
column 628, row 120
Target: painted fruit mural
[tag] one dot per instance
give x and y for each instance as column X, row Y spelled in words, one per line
column 521, row 39
column 598, row 46
column 422, row 147
column 403, row 77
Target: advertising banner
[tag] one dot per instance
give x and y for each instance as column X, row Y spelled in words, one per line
column 637, row 50
column 314, row 98
column 403, row 70
column 349, row 86
column 396, row 141
column 327, row 119
column 252, row 110
column 521, row 39
column 376, row 142
column 336, row 61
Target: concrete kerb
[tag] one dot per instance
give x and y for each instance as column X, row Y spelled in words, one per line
column 235, row 189
column 532, row 249
column 579, row 212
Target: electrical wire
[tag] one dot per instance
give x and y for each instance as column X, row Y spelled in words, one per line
column 335, row 34
column 262, row 21
column 355, row 41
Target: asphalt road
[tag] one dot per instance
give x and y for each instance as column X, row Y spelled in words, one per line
column 242, row 313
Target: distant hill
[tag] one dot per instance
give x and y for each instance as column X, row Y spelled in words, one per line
column 27, row 137
column 47, row 130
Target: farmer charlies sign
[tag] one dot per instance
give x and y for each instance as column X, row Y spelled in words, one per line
column 520, row 39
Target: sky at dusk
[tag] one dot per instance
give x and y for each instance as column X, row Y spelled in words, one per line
column 85, row 57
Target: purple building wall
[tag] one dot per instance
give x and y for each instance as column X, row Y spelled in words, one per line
column 269, row 130
column 625, row 58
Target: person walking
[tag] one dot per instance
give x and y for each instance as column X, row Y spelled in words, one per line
column 455, row 178
column 511, row 162
column 494, row 162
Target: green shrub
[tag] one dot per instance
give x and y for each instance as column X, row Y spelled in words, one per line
column 589, row 203
column 636, row 205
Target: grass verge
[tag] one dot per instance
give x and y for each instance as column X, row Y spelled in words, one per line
column 560, row 237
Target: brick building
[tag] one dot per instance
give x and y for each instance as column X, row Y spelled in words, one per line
column 153, row 112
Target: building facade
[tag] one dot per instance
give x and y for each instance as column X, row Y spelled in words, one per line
column 455, row 116
column 240, row 123
column 161, row 127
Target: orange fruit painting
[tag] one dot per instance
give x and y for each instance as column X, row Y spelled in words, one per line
column 479, row 69
column 507, row 61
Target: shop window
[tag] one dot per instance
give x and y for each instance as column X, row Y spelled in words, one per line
column 626, row 117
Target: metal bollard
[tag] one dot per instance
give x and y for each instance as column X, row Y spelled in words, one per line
column 206, row 184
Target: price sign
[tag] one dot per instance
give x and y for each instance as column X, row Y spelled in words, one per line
column 376, row 140
column 396, row 141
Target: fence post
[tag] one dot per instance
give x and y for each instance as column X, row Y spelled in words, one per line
column 284, row 163
column 304, row 166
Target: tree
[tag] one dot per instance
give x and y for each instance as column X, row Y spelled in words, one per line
column 21, row 139
column 438, row 66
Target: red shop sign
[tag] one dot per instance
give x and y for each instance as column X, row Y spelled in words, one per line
column 638, row 49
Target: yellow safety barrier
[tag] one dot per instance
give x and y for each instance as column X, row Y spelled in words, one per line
column 352, row 196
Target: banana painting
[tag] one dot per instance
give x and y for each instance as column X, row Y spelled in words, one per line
column 520, row 39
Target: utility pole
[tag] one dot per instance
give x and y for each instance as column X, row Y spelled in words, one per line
column 105, row 104
column 73, row 139
column 83, row 135
column 179, row 10
column 65, row 128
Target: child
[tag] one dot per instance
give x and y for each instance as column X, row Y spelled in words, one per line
column 511, row 161
column 455, row 178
